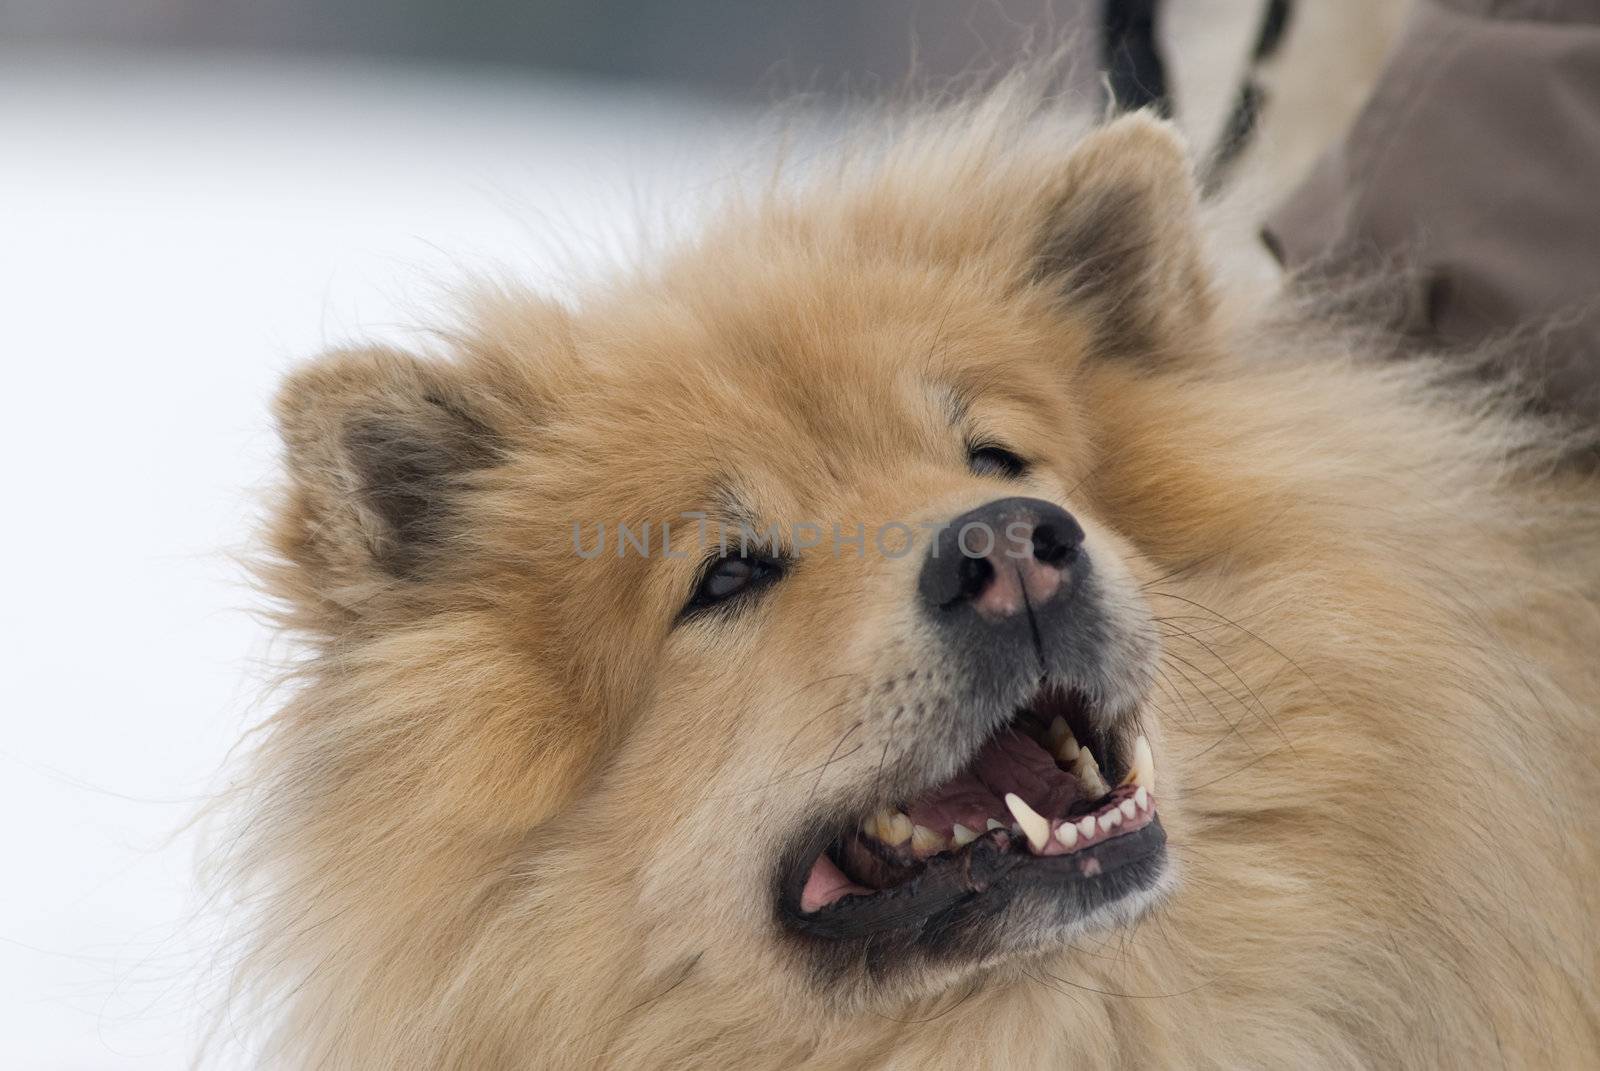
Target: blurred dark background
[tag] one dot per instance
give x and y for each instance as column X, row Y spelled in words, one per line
column 736, row 48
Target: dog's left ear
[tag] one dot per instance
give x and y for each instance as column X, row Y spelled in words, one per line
column 380, row 447
column 1120, row 240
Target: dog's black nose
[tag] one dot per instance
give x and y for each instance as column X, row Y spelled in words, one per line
column 1002, row 557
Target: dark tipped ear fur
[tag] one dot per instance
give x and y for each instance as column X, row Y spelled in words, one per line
column 1121, row 240
column 379, row 445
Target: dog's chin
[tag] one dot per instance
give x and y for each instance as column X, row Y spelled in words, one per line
column 1049, row 831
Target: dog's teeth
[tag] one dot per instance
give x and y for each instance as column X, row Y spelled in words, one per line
column 1086, row 825
column 1032, row 822
column 962, row 835
column 1109, row 819
column 1141, row 799
column 1087, row 771
column 1128, row 808
column 924, row 839
column 1059, row 740
column 1058, row 729
column 1143, row 771
column 1068, row 834
column 891, row 827
column 993, row 823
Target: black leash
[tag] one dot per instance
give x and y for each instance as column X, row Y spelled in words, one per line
column 1252, row 98
column 1131, row 58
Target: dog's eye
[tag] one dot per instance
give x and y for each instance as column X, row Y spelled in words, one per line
column 724, row 578
column 986, row 459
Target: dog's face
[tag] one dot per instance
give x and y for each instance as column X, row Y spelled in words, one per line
column 781, row 581
column 885, row 611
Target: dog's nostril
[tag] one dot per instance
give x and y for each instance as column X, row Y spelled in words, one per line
column 974, row 575
column 1051, row 548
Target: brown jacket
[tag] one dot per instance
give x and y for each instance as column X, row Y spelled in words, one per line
column 1477, row 161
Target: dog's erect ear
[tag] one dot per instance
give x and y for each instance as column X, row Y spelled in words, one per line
column 379, row 447
column 1120, row 241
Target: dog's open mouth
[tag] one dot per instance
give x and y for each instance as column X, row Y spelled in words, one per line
column 1049, row 800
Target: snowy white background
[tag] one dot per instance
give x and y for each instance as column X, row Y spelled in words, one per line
column 174, row 233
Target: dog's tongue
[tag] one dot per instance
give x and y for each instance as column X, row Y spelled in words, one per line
column 1011, row 762
column 826, row 884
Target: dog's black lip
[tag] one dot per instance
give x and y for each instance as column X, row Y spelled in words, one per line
column 989, row 868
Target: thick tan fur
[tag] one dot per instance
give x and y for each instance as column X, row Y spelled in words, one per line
column 511, row 816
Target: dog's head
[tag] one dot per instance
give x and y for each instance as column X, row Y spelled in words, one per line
column 778, row 597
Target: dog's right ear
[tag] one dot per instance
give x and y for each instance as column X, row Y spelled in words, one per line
column 380, row 449
column 1121, row 239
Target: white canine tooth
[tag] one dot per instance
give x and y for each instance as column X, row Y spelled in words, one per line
column 1068, row 834
column 1059, row 740
column 924, row 839
column 962, row 835
column 1141, row 799
column 1032, row 822
column 1128, row 808
column 1109, row 819
column 993, row 823
column 1058, row 729
column 1086, row 825
column 1143, row 770
column 1087, row 771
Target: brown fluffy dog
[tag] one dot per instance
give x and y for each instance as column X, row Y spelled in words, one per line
column 532, row 806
